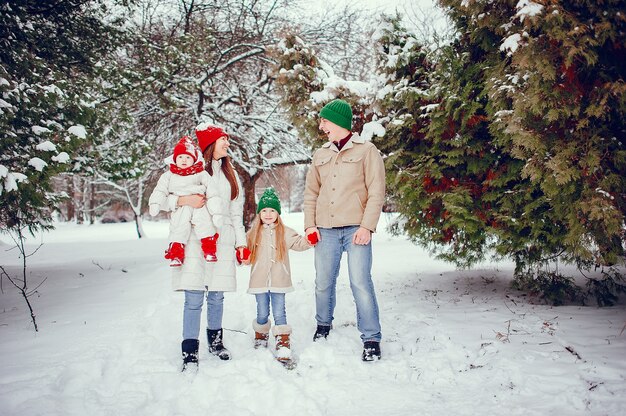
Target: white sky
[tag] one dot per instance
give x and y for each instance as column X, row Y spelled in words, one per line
column 422, row 15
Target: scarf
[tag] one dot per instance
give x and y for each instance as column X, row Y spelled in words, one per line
column 191, row 170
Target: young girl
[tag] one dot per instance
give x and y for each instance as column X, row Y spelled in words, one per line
column 270, row 278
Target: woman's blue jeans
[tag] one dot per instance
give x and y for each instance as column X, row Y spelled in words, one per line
column 263, row 308
column 193, row 311
column 328, row 252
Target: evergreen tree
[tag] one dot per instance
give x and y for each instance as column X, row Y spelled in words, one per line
column 562, row 99
column 49, row 53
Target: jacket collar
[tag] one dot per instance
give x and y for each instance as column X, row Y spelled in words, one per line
column 354, row 139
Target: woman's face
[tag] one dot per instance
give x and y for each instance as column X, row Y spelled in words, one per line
column 221, row 148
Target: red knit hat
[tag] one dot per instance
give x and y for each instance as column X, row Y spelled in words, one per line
column 186, row 146
column 208, row 134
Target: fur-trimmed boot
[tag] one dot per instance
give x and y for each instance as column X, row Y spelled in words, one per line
column 175, row 253
column 283, row 344
column 261, row 333
column 216, row 345
column 190, row 352
column 209, row 247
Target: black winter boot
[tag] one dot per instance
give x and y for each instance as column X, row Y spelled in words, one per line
column 190, row 352
column 321, row 332
column 371, row 351
column 216, row 346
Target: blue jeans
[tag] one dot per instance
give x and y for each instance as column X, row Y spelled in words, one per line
column 328, row 252
column 193, row 310
column 263, row 308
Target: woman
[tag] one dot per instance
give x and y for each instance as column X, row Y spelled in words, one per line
column 197, row 278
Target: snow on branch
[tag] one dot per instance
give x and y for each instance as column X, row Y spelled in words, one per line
column 254, row 50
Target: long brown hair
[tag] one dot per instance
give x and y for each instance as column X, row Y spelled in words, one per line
column 256, row 233
column 227, row 168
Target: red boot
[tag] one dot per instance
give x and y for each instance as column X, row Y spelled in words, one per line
column 176, row 254
column 209, row 247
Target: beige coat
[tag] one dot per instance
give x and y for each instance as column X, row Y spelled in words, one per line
column 345, row 187
column 196, row 273
column 267, row 274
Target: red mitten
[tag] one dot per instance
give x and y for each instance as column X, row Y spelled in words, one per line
column 246, row 255
column 312, row 238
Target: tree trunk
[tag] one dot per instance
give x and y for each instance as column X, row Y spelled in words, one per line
column 92, row 203
column 70, row 201
column 78, row 199
column 139, row 226
column 249, row 205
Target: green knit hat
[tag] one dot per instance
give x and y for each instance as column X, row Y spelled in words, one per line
column 269, row 199
column 338, row 112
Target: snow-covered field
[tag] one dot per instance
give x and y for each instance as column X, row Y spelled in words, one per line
column 454, row 342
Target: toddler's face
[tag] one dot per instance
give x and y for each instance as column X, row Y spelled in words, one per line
column 184, row 161
column 268, row 215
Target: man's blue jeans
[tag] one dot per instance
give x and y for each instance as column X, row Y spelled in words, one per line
column 263, row 308
column 328, row 252
column 193, row 311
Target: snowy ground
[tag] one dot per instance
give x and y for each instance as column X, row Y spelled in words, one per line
column 454, row 342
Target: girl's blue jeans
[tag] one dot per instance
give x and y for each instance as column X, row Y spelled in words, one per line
column 263, row 301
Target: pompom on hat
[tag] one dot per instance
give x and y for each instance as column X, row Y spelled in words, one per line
column 269, row 199
column 208, row 134
column 186, row 146
column 338, row 112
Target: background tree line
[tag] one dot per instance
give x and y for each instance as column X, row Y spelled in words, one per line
column 504, row 136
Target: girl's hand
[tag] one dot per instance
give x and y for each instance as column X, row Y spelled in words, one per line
column 194, row 201
column 312, row 235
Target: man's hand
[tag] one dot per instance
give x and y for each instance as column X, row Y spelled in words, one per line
column 362, row 237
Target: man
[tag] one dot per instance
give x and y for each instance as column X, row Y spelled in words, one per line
column 343, row 199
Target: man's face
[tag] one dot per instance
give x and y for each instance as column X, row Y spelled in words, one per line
column 331, row 130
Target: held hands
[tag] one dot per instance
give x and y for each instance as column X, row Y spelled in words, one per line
column 362, row 237
column 243, row 255
column 312, row 235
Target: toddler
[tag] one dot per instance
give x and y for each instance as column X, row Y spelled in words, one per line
column 187, row 177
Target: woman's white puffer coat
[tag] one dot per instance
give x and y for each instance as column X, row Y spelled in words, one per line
column 196, row 273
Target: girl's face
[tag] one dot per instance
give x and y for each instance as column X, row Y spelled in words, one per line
column 268, row 215
column 184, row 161
column 221, row 148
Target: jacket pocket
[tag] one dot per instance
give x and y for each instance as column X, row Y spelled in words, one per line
column 352, row 165
column 323, row 166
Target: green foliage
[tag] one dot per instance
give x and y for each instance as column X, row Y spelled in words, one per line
column 606, row 290
column 49, row 53
column 444, row 170
column 297, row 76
column 511, row 140
column 560, row 98
column 554, row 288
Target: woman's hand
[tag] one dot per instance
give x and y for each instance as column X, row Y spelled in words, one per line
column 194, row 201
column 243, row 255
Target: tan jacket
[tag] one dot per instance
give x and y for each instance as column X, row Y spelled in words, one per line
column 268, row 275
column 345, row 187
